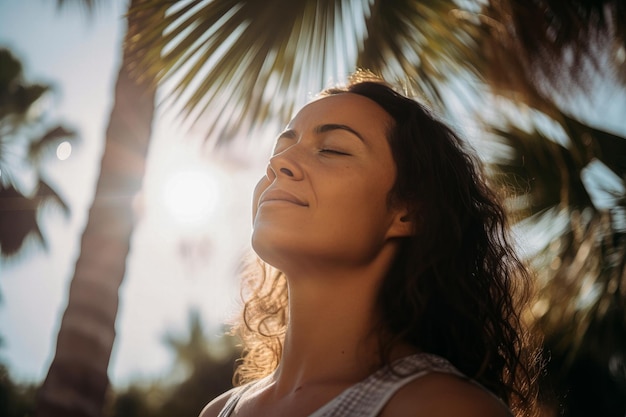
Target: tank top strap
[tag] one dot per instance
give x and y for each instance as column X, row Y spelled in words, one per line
column 368, row 397
column 233, row 400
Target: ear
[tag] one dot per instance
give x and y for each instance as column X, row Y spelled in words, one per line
column 401, row 224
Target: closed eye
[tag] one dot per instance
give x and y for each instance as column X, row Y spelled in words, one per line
column 333, row 151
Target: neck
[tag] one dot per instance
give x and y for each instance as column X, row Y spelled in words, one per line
column 331, row 338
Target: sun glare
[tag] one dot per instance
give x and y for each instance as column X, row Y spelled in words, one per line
column 190, row 196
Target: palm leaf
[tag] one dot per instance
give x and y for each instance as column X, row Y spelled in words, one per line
column 554, row 44
column 18, row 215
column 586, row 266
column 45, row 194
column 540, row 172
column 581, row 261
column 18, row 220
column 16, row 97
column 224, row 60
column 607, row 147
column 419, row 44
column 237, row 63
column 547, row 172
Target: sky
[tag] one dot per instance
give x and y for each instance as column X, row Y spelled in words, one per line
column 182, row 256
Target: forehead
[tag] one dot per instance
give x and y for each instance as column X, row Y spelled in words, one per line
column 354, row 110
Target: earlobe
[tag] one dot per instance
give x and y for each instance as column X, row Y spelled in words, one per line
column 402, row 225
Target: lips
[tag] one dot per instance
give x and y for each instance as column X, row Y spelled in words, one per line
column 281, row 195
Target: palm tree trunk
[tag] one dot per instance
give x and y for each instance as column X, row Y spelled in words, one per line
column 77, row 380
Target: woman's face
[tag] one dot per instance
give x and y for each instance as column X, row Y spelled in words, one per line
column 324, row 197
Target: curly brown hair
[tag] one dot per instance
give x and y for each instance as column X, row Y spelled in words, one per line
column 456, row 287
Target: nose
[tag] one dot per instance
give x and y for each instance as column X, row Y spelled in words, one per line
column 285, row 164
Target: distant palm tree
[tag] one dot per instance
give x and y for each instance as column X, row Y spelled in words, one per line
column 25, row 140
column 235, row 64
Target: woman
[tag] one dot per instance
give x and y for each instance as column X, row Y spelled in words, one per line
column 392, row 289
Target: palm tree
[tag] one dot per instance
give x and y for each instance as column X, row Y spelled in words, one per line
column 25, row 140
column 77, row 380
column 239, row 56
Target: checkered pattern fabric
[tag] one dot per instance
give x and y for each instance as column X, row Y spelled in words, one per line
column 368, row 397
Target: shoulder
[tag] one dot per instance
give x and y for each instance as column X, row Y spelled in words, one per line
column 213, row 408
column 440, row 394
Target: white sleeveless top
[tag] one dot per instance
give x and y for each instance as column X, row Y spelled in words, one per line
column 368, row 397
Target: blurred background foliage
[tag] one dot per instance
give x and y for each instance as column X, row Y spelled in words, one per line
column 202, row 369
column 27, row 137
column 523, row 71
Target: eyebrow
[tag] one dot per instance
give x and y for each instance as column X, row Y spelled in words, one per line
column 291, row 134
column 334, row 126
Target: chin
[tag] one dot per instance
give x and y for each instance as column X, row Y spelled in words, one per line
column 269, row 247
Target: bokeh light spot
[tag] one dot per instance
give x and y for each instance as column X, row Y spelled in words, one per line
column 64, row 150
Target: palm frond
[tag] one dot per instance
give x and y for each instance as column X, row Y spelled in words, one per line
column 46, row 194
column 581, row 257
column 235, row 63
column 607, row 147
column 546, row 171
column 229, row 59
column 540, row 172
column 16, row 96
column 11, row 70
column 554, row 43
column 419, row 45
column 585, row 268
column 18, row 220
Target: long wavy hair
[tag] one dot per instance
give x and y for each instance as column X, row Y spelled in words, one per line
column 456, row 288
